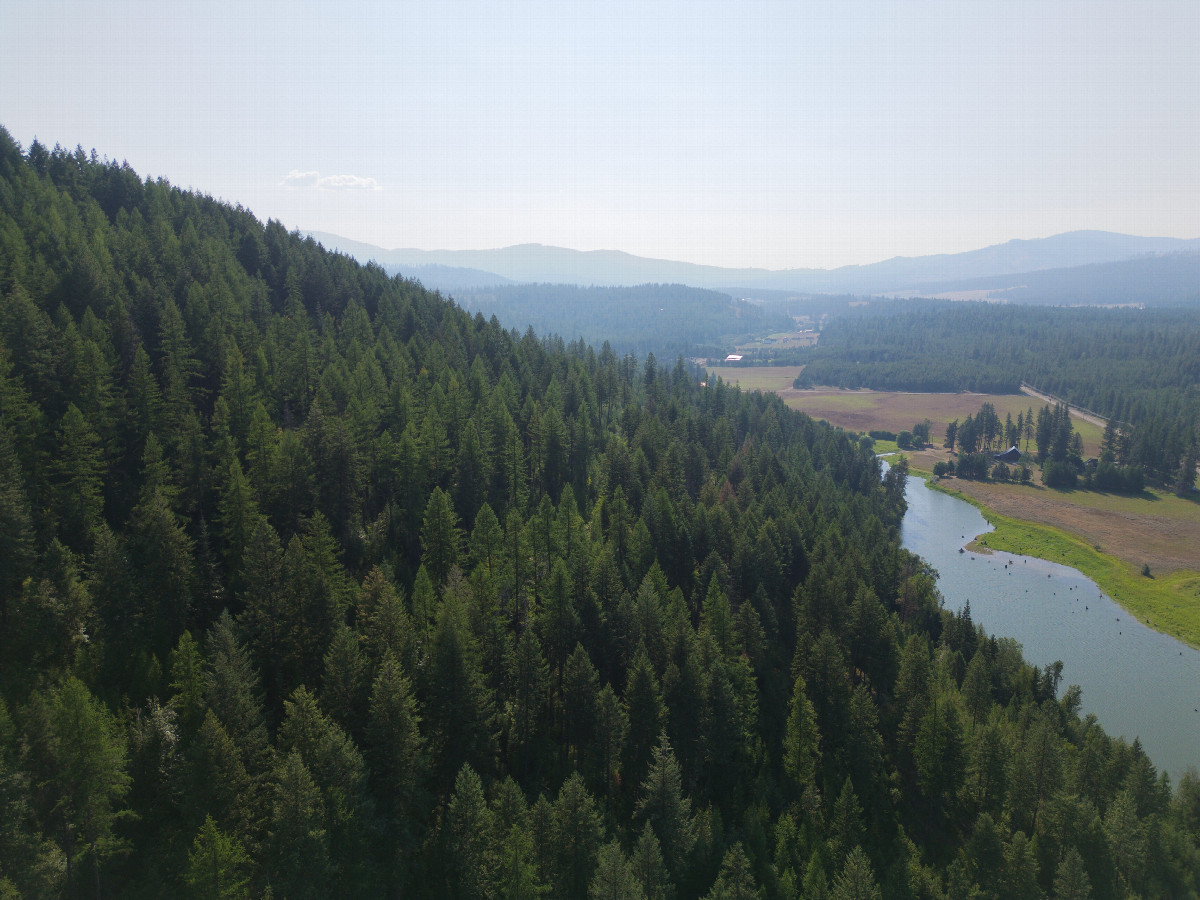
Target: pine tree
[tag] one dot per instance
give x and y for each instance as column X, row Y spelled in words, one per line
column 218, row 866
column 78, row 755
column 79, row 470
column 469, row 850
column 716, row 619
column 614, row 878
column 644, row 708
column 238, row 518
column 516, row 870
column 16, row 526
column 383, row 622
column 346, row 680
column 857, row 879
column 161, row 553
column 736, row 880
column 395, row 746
column 458, row 705
column 663, row 805
column 801, row 742
column 577, row 831
column 218, row 783
column 649, row 867
column 440, row 537
column 187, row 682
column 611, row 727
column 264, row 618
column 231, row 690
column 1018, row 880
column 487, row 543
column 527, row 689
column 1071, row 880
column 296, row 856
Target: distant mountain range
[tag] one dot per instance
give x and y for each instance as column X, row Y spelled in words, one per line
column 999, row 268
column 1170, row 279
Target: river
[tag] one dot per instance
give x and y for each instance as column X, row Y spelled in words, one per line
column 1138, row 682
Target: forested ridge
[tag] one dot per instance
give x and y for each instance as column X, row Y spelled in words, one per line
column 665, row 319
column 1140, row 367
column 313, row 584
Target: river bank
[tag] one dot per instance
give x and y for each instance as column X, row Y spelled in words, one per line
column 1168, row 602
column 1140, row 683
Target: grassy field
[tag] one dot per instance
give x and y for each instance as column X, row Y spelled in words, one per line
column 897, row 411
column 1108, row 537
column 1169, row 603
column 757, row 378
column 781, row 340
column 1154, row 528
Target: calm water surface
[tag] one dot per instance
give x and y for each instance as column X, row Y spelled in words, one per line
column 1138, row 682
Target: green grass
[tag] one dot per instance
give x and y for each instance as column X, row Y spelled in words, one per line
column 1092, row 434
column 1170, row 604
column 885, row 447
column 757, row 378
column 1151, row 501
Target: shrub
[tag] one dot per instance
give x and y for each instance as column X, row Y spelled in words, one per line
column 1059, row 474
column 1118, row 479
column 974, row 466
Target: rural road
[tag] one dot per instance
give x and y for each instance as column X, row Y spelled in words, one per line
column 1075, row 411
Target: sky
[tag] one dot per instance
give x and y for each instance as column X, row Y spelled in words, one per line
column 772, row 134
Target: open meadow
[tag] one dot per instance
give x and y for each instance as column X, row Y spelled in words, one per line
column 758, row 378
column 1109, row 537
column 1154, row 528
column 898, row 411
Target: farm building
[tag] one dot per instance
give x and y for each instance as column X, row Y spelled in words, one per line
column 1011, row 455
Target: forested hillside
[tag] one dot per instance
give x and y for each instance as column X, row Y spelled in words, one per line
column 313, row 584
column 1140, row 367
column 650, row 318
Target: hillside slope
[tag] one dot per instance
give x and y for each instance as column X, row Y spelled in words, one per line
column 314, row 584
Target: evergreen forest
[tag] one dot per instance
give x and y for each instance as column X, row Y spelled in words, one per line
column 1139, row 367
column 313, row 584
column 667, row 319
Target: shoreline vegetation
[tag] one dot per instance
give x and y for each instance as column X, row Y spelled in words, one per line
column 1168, row 601
column 1160, row 601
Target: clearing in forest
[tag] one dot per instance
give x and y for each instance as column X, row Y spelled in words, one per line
column 757, row 378
column 898, row 411
column 1155, row 528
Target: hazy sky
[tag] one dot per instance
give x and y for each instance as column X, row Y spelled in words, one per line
column 733, row 133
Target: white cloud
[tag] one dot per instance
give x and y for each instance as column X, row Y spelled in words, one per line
column 347, row 183
column 298, row 179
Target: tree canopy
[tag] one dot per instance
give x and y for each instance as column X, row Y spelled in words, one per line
column 314, row 583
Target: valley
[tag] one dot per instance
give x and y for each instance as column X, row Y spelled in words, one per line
column 1108, row 536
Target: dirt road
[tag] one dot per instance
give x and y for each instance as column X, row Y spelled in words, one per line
column 1099, row 421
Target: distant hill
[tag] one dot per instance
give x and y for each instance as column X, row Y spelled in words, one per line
column 434, row 276
column 665, row 319
column 538, row 263
column 1171, row 279
column 449, row 278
